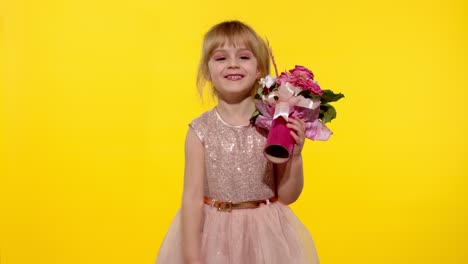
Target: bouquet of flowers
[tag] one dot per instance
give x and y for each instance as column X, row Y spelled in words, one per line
column 294, row 93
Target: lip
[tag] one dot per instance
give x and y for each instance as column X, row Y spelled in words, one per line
column 234, row 76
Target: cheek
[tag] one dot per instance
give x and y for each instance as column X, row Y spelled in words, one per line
column 255, row 66
column 213, row 68
column 211, row 71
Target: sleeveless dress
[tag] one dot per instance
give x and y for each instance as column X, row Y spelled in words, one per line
column 237, row 171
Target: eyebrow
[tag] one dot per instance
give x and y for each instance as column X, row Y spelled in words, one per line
column 240, row 50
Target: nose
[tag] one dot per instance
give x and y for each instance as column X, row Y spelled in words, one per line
column 233, row 64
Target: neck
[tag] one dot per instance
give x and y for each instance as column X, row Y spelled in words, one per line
column 236, row 113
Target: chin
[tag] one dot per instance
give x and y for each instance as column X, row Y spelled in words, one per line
column 234, row 94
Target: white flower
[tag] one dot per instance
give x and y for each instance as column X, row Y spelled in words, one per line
column 268, row 81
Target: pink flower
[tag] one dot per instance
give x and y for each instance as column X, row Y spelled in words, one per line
column 308, row 84
column 302, row 72
column 284, row 78
column 301, row 77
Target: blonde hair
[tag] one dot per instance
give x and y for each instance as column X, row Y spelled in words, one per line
column 233, row 33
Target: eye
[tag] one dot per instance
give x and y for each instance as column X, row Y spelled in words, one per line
column 219, row 58
column 245, row 57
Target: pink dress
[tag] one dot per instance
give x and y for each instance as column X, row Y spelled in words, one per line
column 236, row 170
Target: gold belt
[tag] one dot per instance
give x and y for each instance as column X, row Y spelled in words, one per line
column 227, row 206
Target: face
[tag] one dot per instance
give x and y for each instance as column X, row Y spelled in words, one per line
column 233, row 70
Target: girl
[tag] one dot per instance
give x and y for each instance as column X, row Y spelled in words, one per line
column 234, row 205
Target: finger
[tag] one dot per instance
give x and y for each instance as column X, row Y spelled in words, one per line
column 297, row 127
column 296, row 138
column 293, row 120
column 300, row 140
column 298, row 122
column 294, row 127
column 302, row 122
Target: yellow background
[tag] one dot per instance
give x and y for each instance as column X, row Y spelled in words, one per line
column 96, row 95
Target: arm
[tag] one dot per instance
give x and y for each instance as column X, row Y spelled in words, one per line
column 192, row 199
column 290, row 176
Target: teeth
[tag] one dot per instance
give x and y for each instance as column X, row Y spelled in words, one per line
column 234, row 77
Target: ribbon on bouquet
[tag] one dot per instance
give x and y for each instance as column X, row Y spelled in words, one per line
column 285, row 98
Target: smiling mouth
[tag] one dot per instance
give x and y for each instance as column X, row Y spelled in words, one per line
column 234, row 77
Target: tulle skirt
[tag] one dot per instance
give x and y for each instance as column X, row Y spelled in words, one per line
column 270, row 234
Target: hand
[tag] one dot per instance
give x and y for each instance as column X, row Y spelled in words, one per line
column 298, row 128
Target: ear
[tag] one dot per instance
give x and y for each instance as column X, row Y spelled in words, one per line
column 258, row 74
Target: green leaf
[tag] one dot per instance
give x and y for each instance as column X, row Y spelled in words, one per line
column 329, row 114
column 330, row 96
column 305, row 93
column 323, row 109
column 255, row 114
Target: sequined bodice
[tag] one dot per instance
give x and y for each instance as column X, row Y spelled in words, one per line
column 235, row 167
